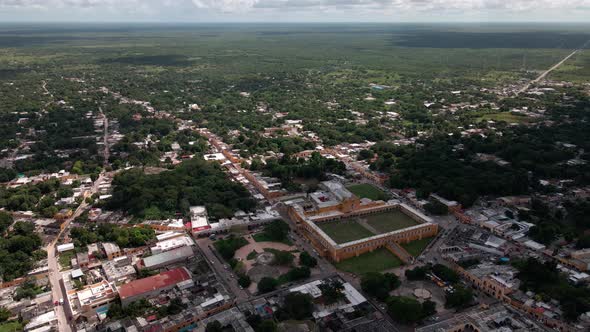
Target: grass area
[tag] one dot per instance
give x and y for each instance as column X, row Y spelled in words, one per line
column 390, row 221
column 365, row 190
column 65, row 259
column 11, row 327
column 506, row 117
column 415, row 248
column 346, row 231
column 376, row 261
column 261, row 237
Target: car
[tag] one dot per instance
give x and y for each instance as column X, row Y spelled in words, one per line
column 61, row 301
column 56, row 303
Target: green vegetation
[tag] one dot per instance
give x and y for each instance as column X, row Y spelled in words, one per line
column 408, row 310
column 415, row 248
column 332, row 291
column 228, row 246
column 546, row 280
column 267, row 284
column 133, row 309
column 28, row 289
column 305, row 259
column 252, row 255
column 39, row 198
column 365, row 190
column 445, row 273
column 379, row 285
column 194, row 182
column 11, row 326
column 460, row 297
column 19, row 249
column 417, row 273
column 124, row 237
column 296, row 306
column 390, row 221
column 244, row 281
column 65, row 259
column 437, row 208
column 344, row 231
column 276, row 231
column 376, row 261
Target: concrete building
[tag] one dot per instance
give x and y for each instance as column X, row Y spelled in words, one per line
column 111, row 250
column 94, row 297
column 173, row 243
column 334, row 202
column 119, row 269
column 153, row 286
column 168, row 257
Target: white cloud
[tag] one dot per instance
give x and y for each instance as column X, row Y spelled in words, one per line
column 342, row 9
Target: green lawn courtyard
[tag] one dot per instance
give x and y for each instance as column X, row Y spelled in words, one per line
column 415, row 248
column 389, row 221
column 345, row 231
column 365, row 190
column 377, row 261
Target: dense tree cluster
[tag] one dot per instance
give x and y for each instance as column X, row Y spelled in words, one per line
column 546, row 280
column 19, row 249
column 316, row 167
column 124, row 237
column 379, row 285
column 194, row 182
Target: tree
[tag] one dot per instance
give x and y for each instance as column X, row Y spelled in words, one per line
column 428, row 308
column 297, row 306
column 308, row 260
column 5, row 221
column 266, row 326
column 437, row 208
column 266, row 285
column 214, row 326
column 282, row 258
column 459, row 298
column 379, row 285
column 445, row 273
column 332, row 291
column 277, row 231
column 404, row 309
column 4, row 314
column 417, row 273
column 244, row 281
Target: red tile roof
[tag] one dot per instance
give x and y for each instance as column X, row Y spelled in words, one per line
column 159, row 281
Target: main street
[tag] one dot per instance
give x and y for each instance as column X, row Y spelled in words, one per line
column 55, row 276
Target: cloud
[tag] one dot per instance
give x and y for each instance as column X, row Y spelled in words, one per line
column 239, row 9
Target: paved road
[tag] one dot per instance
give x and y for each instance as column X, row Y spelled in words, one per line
column 54, row 274
column 105, row 138
column 548, row 71
column 219, row 266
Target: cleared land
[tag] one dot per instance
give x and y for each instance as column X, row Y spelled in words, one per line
column 365, row 190
column 344, row 231
column 389, row 221
column 376, row 261
column 415, row 248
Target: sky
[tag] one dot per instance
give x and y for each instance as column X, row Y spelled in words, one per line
column 204, row 11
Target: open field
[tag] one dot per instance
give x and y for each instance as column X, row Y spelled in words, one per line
column 415, row 248
column 345, row 231
column 11, row 327
column 365, row 190
column 376, row 261
column 506, row 117
column 389, row 221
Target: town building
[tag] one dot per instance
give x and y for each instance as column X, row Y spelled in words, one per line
column 154, row 285
column 168, row 257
